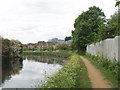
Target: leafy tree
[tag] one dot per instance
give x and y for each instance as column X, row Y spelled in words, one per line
column 112, row 27
column 6, row 49
column 117, row 4
column 68, row 38
column 11, row 47
column 87, row 28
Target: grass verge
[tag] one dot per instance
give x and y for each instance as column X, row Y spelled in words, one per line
column 109, row 69
column 64, row 52
column 72, row 75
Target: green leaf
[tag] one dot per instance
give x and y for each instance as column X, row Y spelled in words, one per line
column 117, row 4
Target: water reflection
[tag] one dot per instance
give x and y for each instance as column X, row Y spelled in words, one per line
column 26, row 72
column 10, row 67
column 45, row 59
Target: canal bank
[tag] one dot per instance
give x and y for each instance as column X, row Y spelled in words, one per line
column 27, row 71
column 62, row 54
column 73, row 74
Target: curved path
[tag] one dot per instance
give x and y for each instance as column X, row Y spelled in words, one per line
column 95, row 76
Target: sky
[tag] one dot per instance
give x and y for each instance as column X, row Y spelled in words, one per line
column 30, row 21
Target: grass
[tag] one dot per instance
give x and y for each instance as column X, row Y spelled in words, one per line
column 109, row 69
column 58, row 52
column 72, row 75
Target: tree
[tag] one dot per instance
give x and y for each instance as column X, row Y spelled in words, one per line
column 114, row 24
column 11, row 48
column 68, row 38
column 6, row 49
column 112, row 27
column 87, row 28
column 117, row 3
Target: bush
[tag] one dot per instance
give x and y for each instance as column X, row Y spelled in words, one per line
column 62, row 47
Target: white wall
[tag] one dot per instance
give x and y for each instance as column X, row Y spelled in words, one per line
column 109, row 48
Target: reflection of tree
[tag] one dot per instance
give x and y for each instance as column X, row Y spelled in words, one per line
column 45, row 59
column 10, row 67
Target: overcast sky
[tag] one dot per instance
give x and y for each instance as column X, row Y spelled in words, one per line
column 36, row 20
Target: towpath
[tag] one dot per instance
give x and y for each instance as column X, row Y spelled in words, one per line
column 95, row 76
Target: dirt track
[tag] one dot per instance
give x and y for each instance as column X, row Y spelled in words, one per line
column 95, row 76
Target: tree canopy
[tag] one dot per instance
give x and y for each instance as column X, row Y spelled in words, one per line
column 11, row 48
column 87, row 27
column 114, row 24
column 117, row 3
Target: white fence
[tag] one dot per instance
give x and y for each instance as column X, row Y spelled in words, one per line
column 109, row 48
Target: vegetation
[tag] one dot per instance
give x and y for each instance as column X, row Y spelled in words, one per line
column 62, row 47
column 28, row 49
column 90, row 21
column 37, row 49
column 68, row 38
column 113, row 26
column 64, row 53
column 53, row 47
column 109, row 69
column 11, row 48
column 72, row 75
column 6, row 47
column 91, row 26
column 117, row 3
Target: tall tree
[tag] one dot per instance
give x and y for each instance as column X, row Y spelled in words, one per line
column 113, row 25
column 87, row 28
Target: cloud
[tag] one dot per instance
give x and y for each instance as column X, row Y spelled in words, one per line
column 35, row 20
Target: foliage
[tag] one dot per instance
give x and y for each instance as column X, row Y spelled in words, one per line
column 117, row 4
column 87, row 28
column 108, row 68
column 113, row 26
column 66, row 53
column 63, row 53
column 91, row 26
column 68, row 38
column 6, row 49
column 62, row 47
column 41, row 41
column 11, row 47
column 36, row 49
column 72, row 75
column 27, row 49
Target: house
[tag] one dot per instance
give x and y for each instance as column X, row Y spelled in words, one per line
column 50, row 44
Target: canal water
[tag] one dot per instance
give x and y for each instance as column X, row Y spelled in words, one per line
column 29, row 71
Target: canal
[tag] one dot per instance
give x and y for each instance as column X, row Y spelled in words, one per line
column 29, row 71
